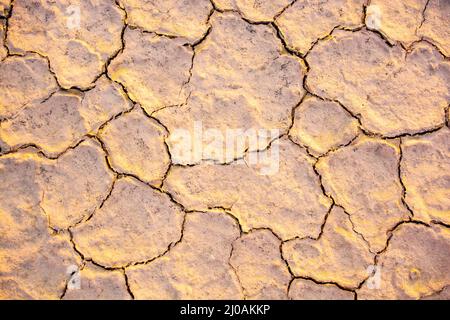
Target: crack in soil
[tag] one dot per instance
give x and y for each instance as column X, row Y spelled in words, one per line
column 228, row 211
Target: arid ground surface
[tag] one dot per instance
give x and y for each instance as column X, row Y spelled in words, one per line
column 115, row 182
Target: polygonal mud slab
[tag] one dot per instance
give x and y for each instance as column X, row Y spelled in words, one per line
column 75, row 184
column 95, row 283
column 24, row 80
column 185, row 18
column 153, row 68
column 242, row 80
column 322, row 126
column 339, row 256
column 40, row 274
column 397, row 20
column 78, row 36
column 363, row 178
column 61, row 121
column 196, row 268
column 387, row 92
column 29, row 249
column 306, row 21
column 425, row 171
column 23, row 221
column 414, row 265
column 258, row 263
column 287, row 198
column 135, row 145
column 435, row 25
column 135, row 224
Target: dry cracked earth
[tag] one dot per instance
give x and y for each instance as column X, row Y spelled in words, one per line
column 91, row 193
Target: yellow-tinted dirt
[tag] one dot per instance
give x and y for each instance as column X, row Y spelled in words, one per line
column 224, row 149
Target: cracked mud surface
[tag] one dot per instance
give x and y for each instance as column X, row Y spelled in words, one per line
column 97, row 187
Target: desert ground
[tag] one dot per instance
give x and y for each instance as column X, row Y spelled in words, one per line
column 224, row 149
